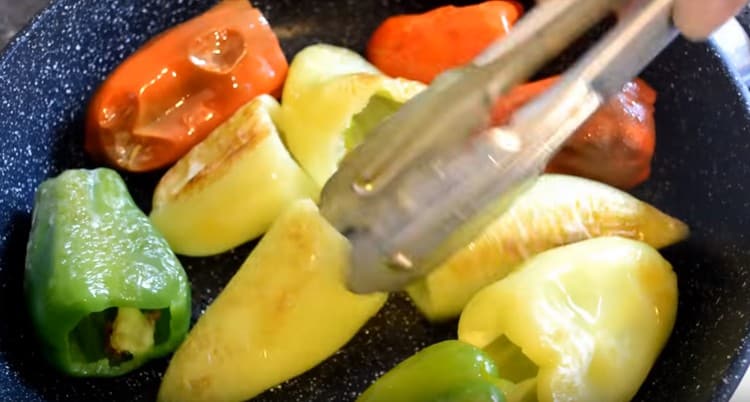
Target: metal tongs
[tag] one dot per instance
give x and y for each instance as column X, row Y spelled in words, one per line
column 432, row 176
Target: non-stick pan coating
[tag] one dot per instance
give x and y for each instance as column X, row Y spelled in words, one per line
column 701, row 174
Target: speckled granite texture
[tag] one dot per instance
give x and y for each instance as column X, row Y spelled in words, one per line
column 701, row 169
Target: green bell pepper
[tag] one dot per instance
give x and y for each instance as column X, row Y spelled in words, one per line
column 104, row 291
column 450, row 371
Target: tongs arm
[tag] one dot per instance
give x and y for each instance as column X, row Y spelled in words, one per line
column 429, row 120
column 434, row 175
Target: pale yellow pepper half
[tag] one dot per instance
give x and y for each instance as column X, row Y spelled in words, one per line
column 286, row 310
column 331, row 99
column 557, row 210
column 585, row 322
column 230, row 187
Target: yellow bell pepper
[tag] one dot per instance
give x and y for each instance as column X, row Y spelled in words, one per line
column 285, row 310
column 230, row 187
column 331, row 99
column 585, row 322
column 556, row 210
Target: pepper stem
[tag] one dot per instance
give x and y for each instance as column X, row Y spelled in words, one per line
column 518, row 372
column 525, row 391
column 512, row 363
column 133, row 331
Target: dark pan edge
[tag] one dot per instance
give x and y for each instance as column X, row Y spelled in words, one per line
column 23, row 33
column 741, row 358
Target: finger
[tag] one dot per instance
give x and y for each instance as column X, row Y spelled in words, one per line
column 698, row 18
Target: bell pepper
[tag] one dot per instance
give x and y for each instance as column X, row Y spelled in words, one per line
column 614, row 146
column 285, row 310
column 229, row 188
column 104, row 291
column 585, row 321
column 555, row 211
column 449, row 371
column 332, row 99
column 421, row 46
column 178, row 87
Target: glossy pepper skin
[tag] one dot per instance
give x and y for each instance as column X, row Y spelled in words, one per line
column 284, row 311
column 449, row 371
column 104, row 291
column 182, row 84
column 557, row 210
column 589, row 318
column 421, row 46
column 332, row 98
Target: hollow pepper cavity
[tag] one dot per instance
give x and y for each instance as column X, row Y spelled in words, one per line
column 104, row 291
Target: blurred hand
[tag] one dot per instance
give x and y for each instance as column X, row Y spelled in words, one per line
column 698, row 18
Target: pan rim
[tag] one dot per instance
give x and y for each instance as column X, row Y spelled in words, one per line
column 740, row 361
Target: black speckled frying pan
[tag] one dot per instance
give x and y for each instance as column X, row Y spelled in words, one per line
column 701, row 174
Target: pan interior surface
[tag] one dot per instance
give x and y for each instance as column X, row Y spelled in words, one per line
column 702, row 166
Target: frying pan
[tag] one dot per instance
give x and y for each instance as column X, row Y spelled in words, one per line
column 701, row 174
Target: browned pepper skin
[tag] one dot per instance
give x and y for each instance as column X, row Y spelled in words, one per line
column 614, row 146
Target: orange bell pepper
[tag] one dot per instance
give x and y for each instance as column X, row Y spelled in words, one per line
column 421, row 46
column 181, row 85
